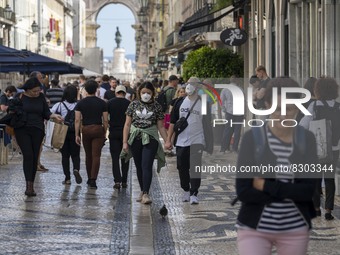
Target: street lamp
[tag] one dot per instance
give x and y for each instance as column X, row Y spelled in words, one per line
column 8, row 12
column 35, row 27
column 48, row 37
column 144, row 6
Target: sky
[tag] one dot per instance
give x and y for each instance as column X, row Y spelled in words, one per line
column 109, row 17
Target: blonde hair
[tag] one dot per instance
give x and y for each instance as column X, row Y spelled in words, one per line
column 178, row 91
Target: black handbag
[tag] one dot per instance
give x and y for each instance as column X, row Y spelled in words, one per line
column 182, row 123
column 16, row 116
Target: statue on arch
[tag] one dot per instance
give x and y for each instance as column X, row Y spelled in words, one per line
column 118, row 38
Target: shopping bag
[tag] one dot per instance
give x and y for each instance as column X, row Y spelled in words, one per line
column 166, row 120
column 59, row 135
column 322, row 130
column 49, row 134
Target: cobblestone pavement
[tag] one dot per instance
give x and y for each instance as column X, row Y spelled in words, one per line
column 77, row 220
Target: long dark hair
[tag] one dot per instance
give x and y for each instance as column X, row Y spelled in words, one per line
column 70, row 94
column 146, row 85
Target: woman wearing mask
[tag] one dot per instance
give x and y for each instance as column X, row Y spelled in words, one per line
column 92, row 111
column 144, row 118
column 70, row 148
column 29, row 137
column 277, row 207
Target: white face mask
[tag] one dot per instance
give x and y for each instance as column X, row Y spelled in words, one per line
column 190, row 89
column 145, row 97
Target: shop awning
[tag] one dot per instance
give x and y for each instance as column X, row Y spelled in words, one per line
column 193, row 23
column 193, row 42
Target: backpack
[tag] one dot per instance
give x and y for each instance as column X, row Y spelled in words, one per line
column 161, row 99
column 70, row 118
column 326, row 128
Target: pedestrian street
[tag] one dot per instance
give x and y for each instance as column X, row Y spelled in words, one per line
column 77, row 220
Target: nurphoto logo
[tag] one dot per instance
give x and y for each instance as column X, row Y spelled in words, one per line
column 239, row 105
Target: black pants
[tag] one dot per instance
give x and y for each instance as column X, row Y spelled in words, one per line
column 230, row 130
column 70, row 149
column 329, row 185
column 144, row 156
column 29, row 140
column 116, row 145
column 187, row 158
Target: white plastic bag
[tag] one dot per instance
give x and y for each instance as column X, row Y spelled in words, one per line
column 49, row 134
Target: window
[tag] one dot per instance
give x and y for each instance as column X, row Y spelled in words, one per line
column 273, row 40
column 286, row 40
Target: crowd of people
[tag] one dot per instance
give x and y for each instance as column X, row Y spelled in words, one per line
column 276, row 209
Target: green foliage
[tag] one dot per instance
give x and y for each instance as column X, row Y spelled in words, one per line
column 220, row 4
column 207, row 62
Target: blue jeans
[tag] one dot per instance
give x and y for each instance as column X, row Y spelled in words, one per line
column 230, row 130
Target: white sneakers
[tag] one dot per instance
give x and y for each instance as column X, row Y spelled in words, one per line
column 186, row 196
column 144, row 198
column 193, row 200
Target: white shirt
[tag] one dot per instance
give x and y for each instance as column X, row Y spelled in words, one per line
column 59, row 107
column 101, row 92
column 227, row 100
column 194, row 133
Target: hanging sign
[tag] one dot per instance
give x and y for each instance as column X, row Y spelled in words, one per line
column 233, row 36
column 163, row 65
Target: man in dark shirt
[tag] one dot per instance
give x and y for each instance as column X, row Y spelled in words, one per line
column 116, row 109
column 109, row 94
column 170, row 90
column 261, row 73
column 105, row 82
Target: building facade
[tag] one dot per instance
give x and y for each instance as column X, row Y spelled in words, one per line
column 294, row 38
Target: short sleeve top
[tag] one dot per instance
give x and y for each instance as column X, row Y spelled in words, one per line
column 91, row 109
column 144, row 115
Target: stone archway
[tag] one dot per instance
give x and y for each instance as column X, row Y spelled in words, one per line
column 94, row 7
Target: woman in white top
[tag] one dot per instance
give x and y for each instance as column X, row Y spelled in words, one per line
column 70, row 147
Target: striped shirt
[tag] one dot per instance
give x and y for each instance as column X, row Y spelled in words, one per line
column 282, row 216
column 55, row 95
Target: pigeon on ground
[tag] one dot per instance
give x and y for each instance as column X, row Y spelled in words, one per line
column 163, row 211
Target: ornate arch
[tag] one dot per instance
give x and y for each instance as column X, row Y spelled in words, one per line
column 95, row 7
